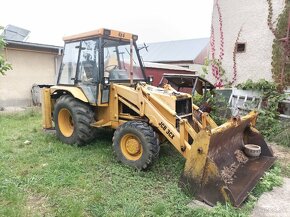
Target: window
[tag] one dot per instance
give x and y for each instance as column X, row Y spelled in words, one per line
column 88, row 70
column 241, row 47
column 117, row 61
column 69, row 63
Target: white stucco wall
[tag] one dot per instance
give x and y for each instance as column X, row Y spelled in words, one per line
column 251, row 16
column 29, row 67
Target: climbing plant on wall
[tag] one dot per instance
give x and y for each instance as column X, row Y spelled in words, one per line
column 216, row 60
column 235, row 69
column 280, row 75
column 216, row 63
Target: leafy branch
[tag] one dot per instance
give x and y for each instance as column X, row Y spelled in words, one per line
column 268, row 122
column 4, row 66
column 270, row 18
column 218, row 71
column 280, row 70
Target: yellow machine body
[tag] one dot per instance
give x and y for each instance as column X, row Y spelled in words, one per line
column 216, row 168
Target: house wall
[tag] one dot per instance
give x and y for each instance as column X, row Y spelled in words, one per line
column 29, row 67
column 250, row 16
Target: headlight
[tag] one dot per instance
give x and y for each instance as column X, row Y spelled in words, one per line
column 106, row 80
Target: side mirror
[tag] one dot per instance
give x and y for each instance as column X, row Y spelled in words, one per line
column 144, row 46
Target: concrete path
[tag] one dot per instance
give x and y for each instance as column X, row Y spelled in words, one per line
column 275, row 203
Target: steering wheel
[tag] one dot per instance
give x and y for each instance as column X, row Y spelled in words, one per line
column 110, row 68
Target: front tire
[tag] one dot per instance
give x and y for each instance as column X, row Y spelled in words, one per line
column 72, row 119
column 136, row 144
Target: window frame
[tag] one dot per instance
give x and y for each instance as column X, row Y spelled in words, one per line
column 241, row 43
column 77, row 81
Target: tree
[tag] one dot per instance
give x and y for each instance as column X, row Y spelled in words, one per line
column 4, row 66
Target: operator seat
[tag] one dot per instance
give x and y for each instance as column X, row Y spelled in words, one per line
column 90, row 69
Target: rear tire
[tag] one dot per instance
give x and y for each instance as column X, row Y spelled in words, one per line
column 72, row 119
column 136, row 144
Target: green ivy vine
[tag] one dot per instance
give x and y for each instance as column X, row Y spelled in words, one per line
column 278, row 52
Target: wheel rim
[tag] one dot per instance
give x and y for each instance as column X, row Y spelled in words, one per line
column 65, row 122
column 131, row 147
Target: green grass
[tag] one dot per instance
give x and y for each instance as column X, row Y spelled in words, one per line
column 47, row 177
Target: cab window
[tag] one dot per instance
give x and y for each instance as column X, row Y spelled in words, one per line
column 117, row 60
column 88, row 70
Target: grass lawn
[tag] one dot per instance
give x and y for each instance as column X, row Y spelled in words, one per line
column 44, row 177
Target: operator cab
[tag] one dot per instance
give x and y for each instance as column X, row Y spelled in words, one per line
column 93, row 59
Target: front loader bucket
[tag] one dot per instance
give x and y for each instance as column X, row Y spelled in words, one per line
column 217, row 170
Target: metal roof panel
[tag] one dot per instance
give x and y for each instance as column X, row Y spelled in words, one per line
column 170, row 51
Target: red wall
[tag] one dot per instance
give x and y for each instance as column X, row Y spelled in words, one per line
column 158, row 73
column 201, row 56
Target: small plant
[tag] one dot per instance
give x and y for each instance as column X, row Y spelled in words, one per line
column 271, row 179
column 215, row 102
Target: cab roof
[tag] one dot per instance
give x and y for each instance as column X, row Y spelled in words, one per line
column 109, row 33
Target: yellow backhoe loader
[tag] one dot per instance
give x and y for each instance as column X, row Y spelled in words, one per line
column 102, row 84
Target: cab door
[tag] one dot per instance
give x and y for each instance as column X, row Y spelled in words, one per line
column 67, row 75
column 88, row 69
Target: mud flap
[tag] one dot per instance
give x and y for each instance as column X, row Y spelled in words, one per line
column 217, row 170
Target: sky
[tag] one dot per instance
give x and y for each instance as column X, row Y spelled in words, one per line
column 151, row 20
